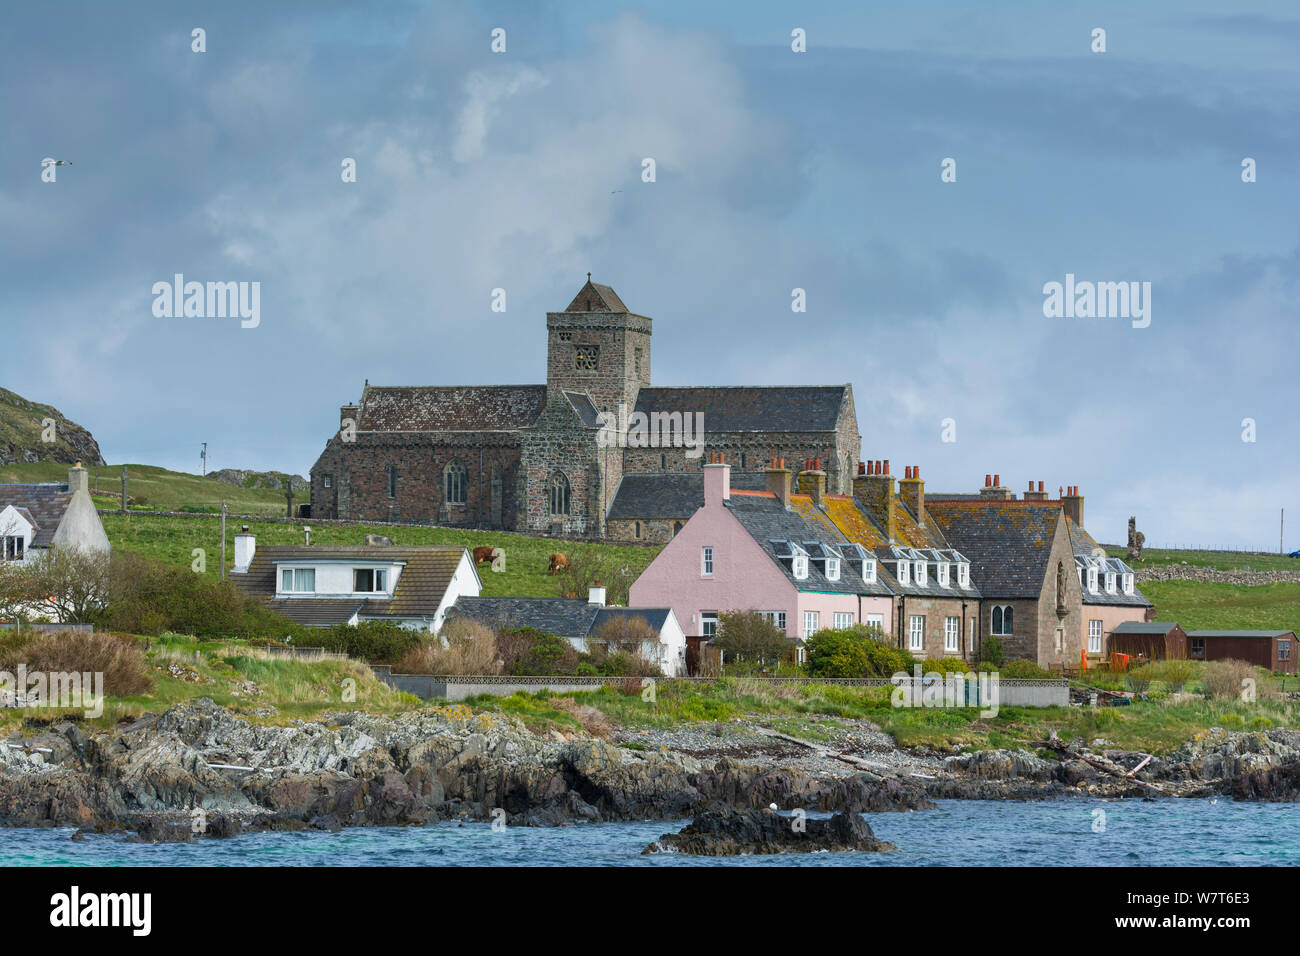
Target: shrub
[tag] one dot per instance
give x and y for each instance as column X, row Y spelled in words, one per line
column 1223, row 679
column 854, row 652
column 526, row 651
column 618, row 648
column 1021, row 669
column 377, row 642
column 944, row 665
column 992, row 652
column 590, row 566
column 466, row 646
column 748, row 636
column 117, row 656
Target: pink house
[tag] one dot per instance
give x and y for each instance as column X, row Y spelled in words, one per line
column 748, row 550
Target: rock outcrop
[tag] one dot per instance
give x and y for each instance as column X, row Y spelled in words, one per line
column 733, row 831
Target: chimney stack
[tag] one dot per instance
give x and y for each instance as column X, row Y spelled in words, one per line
column 78, row 479
column 778, row 481
column 912, row 490
column 1072, row 505
column 245, row 548
column 596, row 594
column 993, row 489
column 812, row 481
column 1032, row 495
column 717, row 481
column 306, row 535
column 874, row 492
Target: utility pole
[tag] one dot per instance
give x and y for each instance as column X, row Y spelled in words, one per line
column 223, row 539
column 203, row 455
column 1281, row 528
column 124, row 489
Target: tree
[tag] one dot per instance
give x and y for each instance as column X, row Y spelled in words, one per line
column 590, row 566
column 625, row 645
column 748, row 636
column 70, row 583
column 854, row 652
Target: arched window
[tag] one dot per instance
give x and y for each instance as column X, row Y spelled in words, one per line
column 559, row 495
column 997, row 619
column 1003, row 620
column 453, row 483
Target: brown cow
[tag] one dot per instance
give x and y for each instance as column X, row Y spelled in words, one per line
column 483, row 555
column 559, row 563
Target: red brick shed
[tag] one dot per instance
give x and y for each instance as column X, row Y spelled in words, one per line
column 1275, row 650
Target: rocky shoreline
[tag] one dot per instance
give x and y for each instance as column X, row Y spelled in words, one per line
column 199, row 770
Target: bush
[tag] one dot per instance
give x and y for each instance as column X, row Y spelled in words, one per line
column 944, row 665
column 748, row 636
column 376, row 642
column 618, row 648
column 1223, row 679
column 854, row 652
column 118, row 657
column 465, row 647
column 993, row 653
column 1021, row 669
column 526, row 651
column 590, row 566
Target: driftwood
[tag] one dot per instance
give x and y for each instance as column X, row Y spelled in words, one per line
column 1053, row 742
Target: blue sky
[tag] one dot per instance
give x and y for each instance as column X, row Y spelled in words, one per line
column 775, row 170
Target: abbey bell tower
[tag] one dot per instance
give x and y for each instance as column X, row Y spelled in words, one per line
column 597, row 346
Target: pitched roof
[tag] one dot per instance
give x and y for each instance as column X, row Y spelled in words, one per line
column 450, row 408
column 1008, row 546
column 739, row 408
column 654, row 616
column 566, row 617
column 585, row 408
column 45, row 503
column 1145, row 627
column 421, row 586
column 317, row 612
column 1241, row 634
column 772, row 526
column 594, row 297
column 1085, row 546
column 677, row 495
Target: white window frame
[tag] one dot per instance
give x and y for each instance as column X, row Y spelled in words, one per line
column 916, row 633
column 1094, row 637
column 952, row 635
column 942, row 575
column 994, row 629
column 875, row 620
column 921, row 574
column 1092, row 579
column 800, row 566
column 832, row 569
column 294, row 575
column 1110, row 582
column 707, row 618
column 776, row 618
column 841, row 620
column 963, row 574
column 811, row 623
column 869, row 571
column 904, row 573
column 1128, row 583
column 706, row 561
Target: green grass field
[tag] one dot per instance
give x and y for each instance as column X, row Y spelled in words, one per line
column 172, row 540
column 1202, row 605
column 1220, row 560
column 157, row 489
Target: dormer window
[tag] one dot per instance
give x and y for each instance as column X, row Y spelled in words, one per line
column 800, row 566
column 832, row 569
column 1110, row 582
column 963, row 574
column 943, row 574
column 1128, row 584
column 1092, row 579
column 869, row 571
column 920, row 573
column 370, row 580
column 904, row 572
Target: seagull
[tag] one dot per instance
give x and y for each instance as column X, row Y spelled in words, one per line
column 56, row 162
column 612, row 191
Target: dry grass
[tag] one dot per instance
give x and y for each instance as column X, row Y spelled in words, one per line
column 470, row 648
column 1223, row 679
column 118, row 657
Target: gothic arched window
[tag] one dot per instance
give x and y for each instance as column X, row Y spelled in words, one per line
column 453, row 483
column 559, row 494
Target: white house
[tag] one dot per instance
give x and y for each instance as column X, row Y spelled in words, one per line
column 378, row 581
column 37, row 516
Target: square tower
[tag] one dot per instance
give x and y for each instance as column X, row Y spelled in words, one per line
column 597, row 346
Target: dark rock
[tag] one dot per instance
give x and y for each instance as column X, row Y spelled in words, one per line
column 732, row 831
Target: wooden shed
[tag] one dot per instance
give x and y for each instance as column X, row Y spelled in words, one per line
column 1275, row 650
column 1150, row 640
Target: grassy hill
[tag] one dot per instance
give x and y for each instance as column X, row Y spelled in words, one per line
column 21, row 434
column 157, row 489
column 172, row 540
column 1220, row 560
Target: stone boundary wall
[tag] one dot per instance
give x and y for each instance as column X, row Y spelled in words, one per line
column 1216, row 576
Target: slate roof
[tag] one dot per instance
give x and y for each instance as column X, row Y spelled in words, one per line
column 932, row 558
column 1145, row 627
column 46, row 503
column 656, row 617
column 1241, row 634
column 450, row 407
column 676, row 495
column 769, row 522
column 586, row 409
column 1085, row 546
column 1008, row 542
column 741, row 408
column 420, row 588
column 317, row 612
column 566, row 617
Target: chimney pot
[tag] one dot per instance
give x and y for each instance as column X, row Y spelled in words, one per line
column 886, row 466
column 862, row 468
column 997, row 481
column 1040, row 487
column 988, row 481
